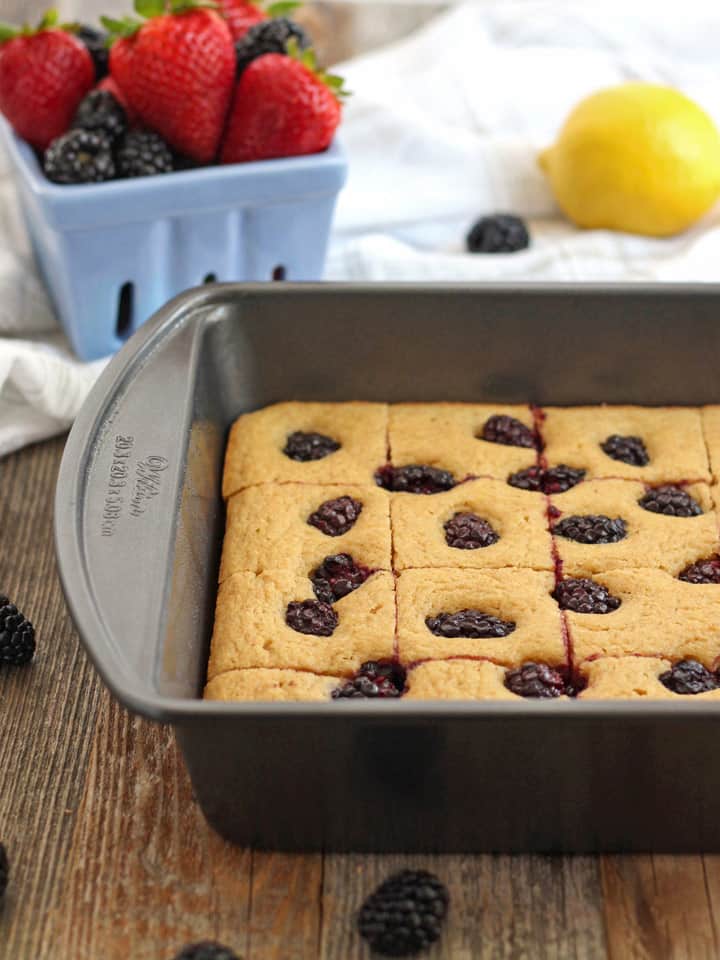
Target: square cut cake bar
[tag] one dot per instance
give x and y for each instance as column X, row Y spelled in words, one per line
column 254, row 612
column 651, row 444
column 271, row 684
column 507, row 616
column 658, row 615
column 481, row 523
column 306, row 443
column 294, row 526
column 458, row 679
column 631, row 678
column 454, row 437
column 601, row 525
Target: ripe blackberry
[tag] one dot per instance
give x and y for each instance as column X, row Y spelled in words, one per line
column 536, row 680
column 414, row 479
column 80, row 156
column 626, row 449
column 702, row 571
column 670, row 500
column 4, row 870
column 17, row 635
column 100, row 111
column 96, row 43
column 468, row 531
column 689, row 677
column 551, row 480
column 584, row 596
column 575, row 684
column 405, row 914
column 591, row 528
column 269, row 36
column 309, row 446
column 336, row 517
column 473, row 624
column 313, row 617
column 501, row 233
column 376, row 679
column 143, row 153
column 509, row 431
column 337, row 576
column 206, row 950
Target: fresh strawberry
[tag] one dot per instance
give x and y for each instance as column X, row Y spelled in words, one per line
column 283, row 106
column 44, row 74
column 176, row 71
column 107, row 83
column 240, row 16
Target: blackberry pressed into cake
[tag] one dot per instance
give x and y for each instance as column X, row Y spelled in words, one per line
column 469, row 551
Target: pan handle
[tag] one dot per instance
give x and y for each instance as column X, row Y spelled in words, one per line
column 117, row 504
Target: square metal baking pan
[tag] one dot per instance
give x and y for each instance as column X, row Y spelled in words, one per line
column 139, row 524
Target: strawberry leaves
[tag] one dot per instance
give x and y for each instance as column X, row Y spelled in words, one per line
column 282, row 8
column 123, row 27
column 147, row 9
column 156, row 8
column 336, row 84
column 150, row 8
column 8, row 32
column 307, row 58
column 182, row 6
column 49, row 20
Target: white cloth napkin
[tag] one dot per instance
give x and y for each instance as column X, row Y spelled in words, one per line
column 446, row 126
column 42, row 385
column 442, row 128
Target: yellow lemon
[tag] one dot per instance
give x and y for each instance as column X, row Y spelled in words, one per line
column 639, row 158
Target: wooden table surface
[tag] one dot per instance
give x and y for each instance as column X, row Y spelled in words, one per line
column 111, row 858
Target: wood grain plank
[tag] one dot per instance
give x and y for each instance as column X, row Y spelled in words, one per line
column 660, row 907
column 146, row 872
column 285, row 916
column 47, row 710
column 711, row 872
column 502, row 907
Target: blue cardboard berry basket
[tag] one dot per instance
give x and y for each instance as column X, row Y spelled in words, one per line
column 113, row 253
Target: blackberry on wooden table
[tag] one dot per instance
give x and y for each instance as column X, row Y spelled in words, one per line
column 405, row 914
